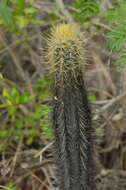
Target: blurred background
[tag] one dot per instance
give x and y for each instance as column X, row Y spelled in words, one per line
column 26, row 134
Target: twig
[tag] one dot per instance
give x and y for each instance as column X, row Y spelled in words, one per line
column 36, row 166
column 5, row 187
column 64, row 10
column 105, row 75
column 111, row 102
column 47, row 177
column 43, row 150
column 16, row 156
column 33, row 168
column 15, row 60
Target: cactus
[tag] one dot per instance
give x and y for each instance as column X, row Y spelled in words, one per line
column 71, row 113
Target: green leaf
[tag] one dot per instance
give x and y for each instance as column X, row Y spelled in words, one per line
column 21, row 4
column 30, row 10
column 56, row 8
column 3, row 147
column 26, row 97
column 14, row 1
column 116, row 44
column 29, row 121
column 123, row 53
column 41, row 111
column 121, row 62
column 117, row 14
column 117, row 36
column 91, row 97
column 10, row 186
column 12, row 111
column 15, row 96
column 5, row 13
column 36, row 21
column 42, row 88
column 21, row 21
column 47, row 129
column 32, row 134
column 19, row 123
column 5, row 93
column 85, row 9
column 3, row 134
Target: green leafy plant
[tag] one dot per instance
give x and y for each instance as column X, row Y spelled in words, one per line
column 117, row 36
column 10, row 186
column 55, row 12
column 15, row 15
column 91, row 97
column 30, row 124
column 41, row 88
column 12, row 99
column 85, row 9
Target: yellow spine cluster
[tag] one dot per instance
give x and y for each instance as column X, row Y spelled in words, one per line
column 66, row 50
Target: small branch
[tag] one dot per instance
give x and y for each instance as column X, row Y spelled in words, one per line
column 64, row 10
column 111, row 102
column 16, row 156
column 43, row 150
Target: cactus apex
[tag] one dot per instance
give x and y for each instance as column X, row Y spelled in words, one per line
column 66, row 49
column 64, row 32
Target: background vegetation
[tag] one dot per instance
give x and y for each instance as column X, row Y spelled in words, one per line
column 26, row 134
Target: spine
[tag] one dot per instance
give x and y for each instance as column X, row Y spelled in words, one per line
column 71, row 113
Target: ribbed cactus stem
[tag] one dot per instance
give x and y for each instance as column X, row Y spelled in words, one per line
column 71, row 113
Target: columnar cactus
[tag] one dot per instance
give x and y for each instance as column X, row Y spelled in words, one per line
column 71, row 113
